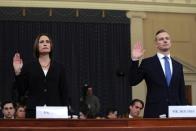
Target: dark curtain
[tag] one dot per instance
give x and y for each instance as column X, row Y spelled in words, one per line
column 93, row 53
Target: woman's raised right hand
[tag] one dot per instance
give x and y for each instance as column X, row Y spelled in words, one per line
column 17, row 63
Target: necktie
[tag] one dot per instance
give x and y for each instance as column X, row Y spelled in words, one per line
column 167, row 70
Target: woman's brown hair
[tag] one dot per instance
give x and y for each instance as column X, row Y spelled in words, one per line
column 36, row 45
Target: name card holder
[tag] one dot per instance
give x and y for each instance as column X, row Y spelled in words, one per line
column 182, row 111
column 51, row 112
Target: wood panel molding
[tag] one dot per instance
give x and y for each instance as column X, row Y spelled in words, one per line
column 177, row 6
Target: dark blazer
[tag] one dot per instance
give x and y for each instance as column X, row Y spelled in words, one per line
column 40, row 89
column 159, row 95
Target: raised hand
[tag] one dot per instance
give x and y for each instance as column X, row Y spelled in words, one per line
column 137, row 51
column 17, row 63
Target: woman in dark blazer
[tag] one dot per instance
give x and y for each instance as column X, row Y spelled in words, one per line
column 42, row 80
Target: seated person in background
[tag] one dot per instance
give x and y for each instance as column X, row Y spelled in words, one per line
column 135, row 108
column 20, row 111
column 111, row 113
column 89, row 103
column 8, row 109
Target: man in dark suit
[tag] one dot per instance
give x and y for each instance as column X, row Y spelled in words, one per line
column 163, row 76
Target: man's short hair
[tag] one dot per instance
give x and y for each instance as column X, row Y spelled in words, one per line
column 158, row 32
column 137, row 100
column 6, row 102
column 111, row 109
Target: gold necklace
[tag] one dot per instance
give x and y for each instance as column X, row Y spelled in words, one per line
column 45, row 66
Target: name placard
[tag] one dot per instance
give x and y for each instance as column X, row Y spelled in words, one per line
column 182, row 111
column 51, row 112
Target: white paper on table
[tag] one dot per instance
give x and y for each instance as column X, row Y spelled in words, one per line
column 51, row 112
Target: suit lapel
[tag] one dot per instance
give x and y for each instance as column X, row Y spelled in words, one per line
column 160, row 71
column 41, row 72
column 174, row 71
column 39, row 69
column 50, row 69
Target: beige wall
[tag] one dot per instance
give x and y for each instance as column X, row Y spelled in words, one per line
column 182, row 28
